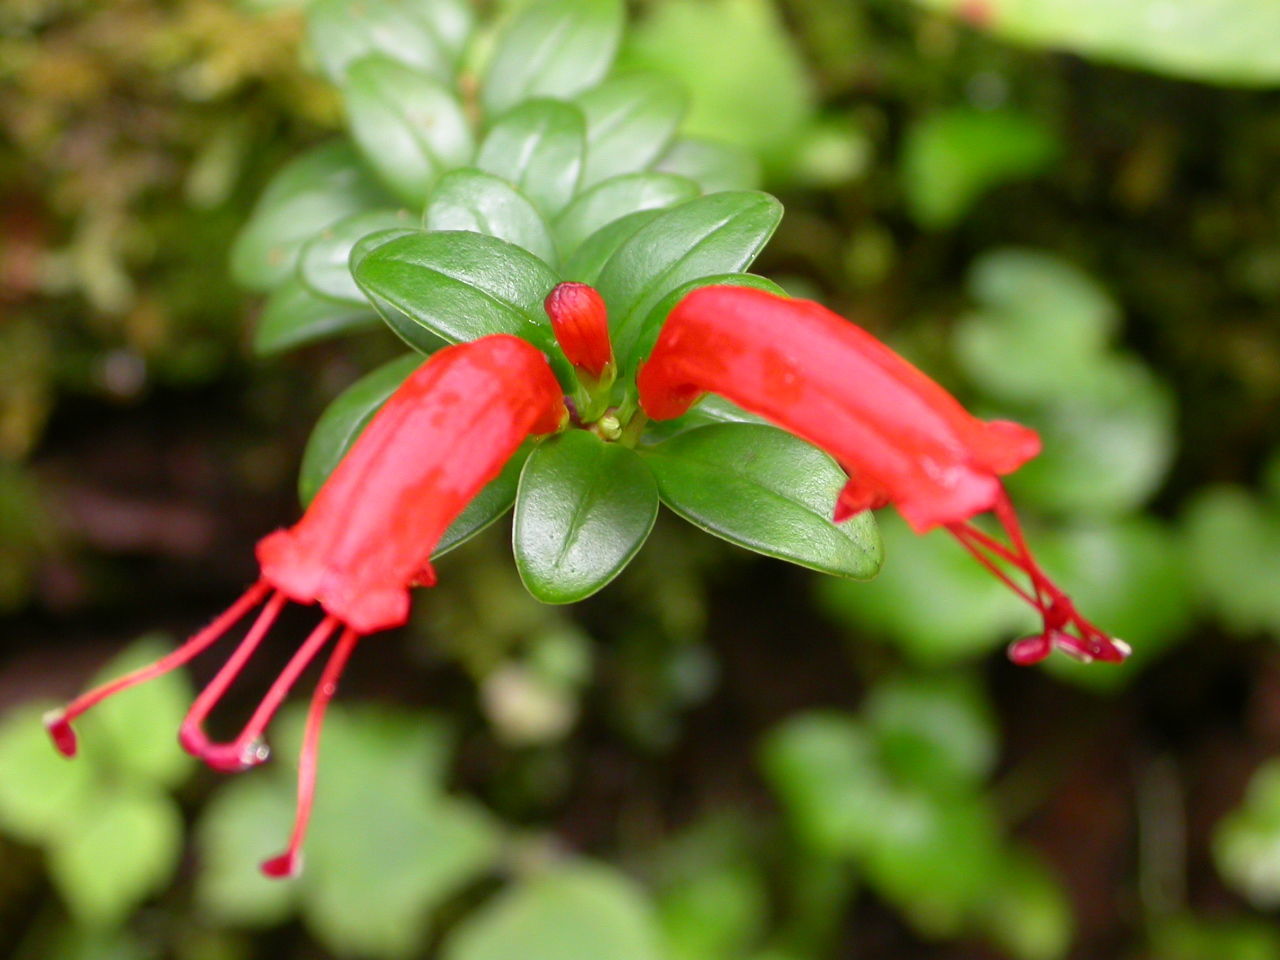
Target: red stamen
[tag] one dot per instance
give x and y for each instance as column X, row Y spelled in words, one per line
column 289, row 863
column 248, row 747
column 1057, row 612
column 191, row 734
column 58, row 722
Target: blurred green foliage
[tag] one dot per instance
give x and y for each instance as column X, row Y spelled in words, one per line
column 1091, row 250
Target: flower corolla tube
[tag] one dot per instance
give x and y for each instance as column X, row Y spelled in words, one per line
column 902, row 438
column 364, row 541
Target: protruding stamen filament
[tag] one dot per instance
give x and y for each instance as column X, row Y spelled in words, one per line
column 191, row 735
column 288, row 863
column 59, row 722
column 1057, row 612
column 248, row 749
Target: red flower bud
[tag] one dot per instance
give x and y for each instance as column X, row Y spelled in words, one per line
column 903, row 439
column 365, row 540
column 581, row 324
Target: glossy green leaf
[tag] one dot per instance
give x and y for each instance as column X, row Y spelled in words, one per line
column 631, row 120
column 41, row 791
column 460, row 286
column 539, row 147
column 324, row 265
column 747, row 80
column 616, row 197
column 1218, row 41
column 593, row 253
column 952, row 158
column 710, row 410
column 315, row 190
column 427, row 35
column 347, row 416
column 712, row 165
column 766, row 490
column 584, row 508
column 721, row 233
column 106, row 864
column 409, row 127
column 573, row 912
column 649, row 329
column 482, row 203
column 293, row 317
column 552, row 48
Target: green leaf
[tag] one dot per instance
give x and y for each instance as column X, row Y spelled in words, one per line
column 630, row 121
column 540, row 147
column 347, row 416
column 1234, row 549
column 593, row 253
column 575, row 912
column 132, row 733
column 721, row 233
column 409, row 127
column 106, row 864
column 1218, row 41
column 766, row 490
column 482, row 203
column 427, row 35
column 713, row 166
column 1245, row 841
column 936, row 858
column 294, row 317
column 1029, row 915
column 953, row 157
column 315, row 190
column 1041, row 327
column 1106, row 448
column 824, row 769
column 344, row 420
column 615, row 198
column 650, row 327
column 381, row 861
column 245, row 823
column 747, row 81
column 373, row 888
column 584, row 508
column 325, row 263
column 933, row 730
column 461, row 286
column 552, row 48
column 42, row 793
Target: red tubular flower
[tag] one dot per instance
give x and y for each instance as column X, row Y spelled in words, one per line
column 581, row 324
column 365, row 540
column 902, row 438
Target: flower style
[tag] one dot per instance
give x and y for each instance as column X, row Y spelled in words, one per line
column 902, row 438
column 365, row 540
